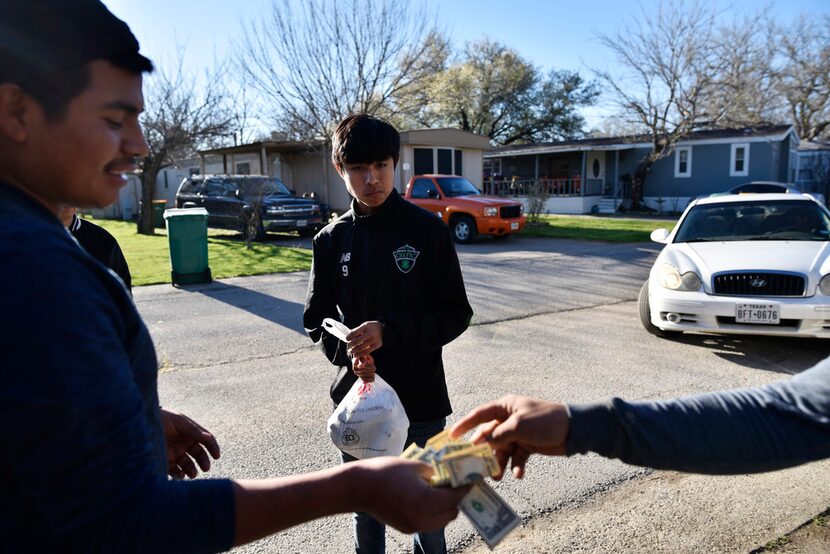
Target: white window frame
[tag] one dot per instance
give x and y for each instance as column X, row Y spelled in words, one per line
column 733, row 159
column 688, row 172
column 493, row 163
column 452, row 150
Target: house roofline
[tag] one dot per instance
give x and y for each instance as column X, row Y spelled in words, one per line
column 771, row 133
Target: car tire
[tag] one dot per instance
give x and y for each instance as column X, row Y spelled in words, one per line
column 463, row 229
column 645, row 316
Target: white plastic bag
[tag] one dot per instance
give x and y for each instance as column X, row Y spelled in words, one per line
column 370, row 421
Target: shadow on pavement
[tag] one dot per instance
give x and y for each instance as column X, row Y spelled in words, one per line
column 276, row 310
column 787, row 355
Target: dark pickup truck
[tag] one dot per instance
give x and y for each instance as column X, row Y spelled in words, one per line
column 232, row 201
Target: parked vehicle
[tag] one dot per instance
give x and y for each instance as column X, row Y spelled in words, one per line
column 772, row 187
column 464, row 209
column 754, row 264
column 251, row 204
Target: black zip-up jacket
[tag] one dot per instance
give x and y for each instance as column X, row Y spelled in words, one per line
column 397, row 266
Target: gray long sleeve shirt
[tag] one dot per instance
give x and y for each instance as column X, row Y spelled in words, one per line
column 749, row 430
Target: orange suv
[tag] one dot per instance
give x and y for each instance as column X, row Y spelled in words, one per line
column 464, row 209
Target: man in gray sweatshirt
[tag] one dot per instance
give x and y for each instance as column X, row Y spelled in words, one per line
column 728, row 432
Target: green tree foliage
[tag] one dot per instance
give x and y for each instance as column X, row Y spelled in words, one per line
column 493, row 91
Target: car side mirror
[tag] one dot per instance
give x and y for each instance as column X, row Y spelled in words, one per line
column 660, row 235
column 433, row 194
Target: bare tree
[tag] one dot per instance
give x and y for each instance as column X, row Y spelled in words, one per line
column 805, row 75
column 668, row 63
column 182, row 114
column 746, row 91
column 319, row 60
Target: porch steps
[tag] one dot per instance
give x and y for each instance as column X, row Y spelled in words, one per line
column 608, row 205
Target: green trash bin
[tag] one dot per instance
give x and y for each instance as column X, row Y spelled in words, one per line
column 187, row 236
column 158, row 213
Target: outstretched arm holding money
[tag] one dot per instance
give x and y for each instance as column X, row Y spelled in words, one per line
column 394, row 490
column 516, row 427
column 727, row 432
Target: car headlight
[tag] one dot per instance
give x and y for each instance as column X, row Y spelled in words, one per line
column 670, row 278
column 824, row 285
column 521, row 209
column 491, row 212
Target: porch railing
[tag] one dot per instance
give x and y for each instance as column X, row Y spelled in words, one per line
column 555, row 187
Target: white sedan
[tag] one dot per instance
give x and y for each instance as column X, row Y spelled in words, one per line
column 754, row 264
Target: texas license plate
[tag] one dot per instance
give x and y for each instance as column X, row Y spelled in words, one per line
column 765, row 314
column 302, row 223
column 514, row 225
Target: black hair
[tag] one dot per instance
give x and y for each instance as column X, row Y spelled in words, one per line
column 46, row 47
column 54, row 91
column 364, row 138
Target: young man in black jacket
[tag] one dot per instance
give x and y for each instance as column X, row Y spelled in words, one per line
column 98, row 243
column 390, row 268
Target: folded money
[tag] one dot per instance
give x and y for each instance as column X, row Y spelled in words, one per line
column 489, row 513
column 457, row 462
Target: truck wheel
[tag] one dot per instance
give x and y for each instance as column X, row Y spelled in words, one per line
column 645, row 316
column 463, row 229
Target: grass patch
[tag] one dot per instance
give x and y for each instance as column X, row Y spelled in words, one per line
column 604, row 228
column 774, row 545
column 149, row 255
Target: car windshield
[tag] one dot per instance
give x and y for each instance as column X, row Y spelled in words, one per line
column 776, row 220
column 456, row 186
column 760, row 187
column 263, row 187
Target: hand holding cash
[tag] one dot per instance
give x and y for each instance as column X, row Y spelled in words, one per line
column 516, row 427
column 457, row 463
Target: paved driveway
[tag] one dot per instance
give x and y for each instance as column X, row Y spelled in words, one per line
column 554, row 318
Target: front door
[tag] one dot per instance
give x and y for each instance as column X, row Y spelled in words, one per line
column 595, row 173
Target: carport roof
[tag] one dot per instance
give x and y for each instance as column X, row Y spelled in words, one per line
column 268, row 145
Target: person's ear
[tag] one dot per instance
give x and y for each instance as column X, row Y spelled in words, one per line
column 338, row 168
column 14, row 104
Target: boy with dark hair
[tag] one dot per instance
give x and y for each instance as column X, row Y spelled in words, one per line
column 85, row 450
column 390, row 268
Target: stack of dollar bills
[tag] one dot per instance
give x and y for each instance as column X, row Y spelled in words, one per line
column 458, row 462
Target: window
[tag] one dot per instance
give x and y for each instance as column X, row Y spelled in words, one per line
column 217, row 187
column 243, row 168
column 739, row 160
column 421, row 188
column 492, row 168
column 445, row 161
column 438, row 160
column 423, row 161
column 683, row 161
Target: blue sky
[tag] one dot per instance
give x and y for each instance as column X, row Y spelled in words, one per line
column 558, row 34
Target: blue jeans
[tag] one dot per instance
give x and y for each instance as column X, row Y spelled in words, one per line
column 370, row 534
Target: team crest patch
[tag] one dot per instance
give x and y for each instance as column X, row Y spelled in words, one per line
column 405, row 257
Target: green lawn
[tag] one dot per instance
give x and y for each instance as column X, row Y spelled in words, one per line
column 149, row 256
column 593, row 227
